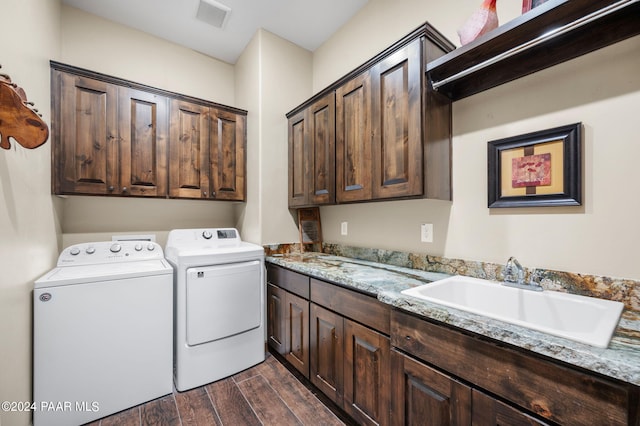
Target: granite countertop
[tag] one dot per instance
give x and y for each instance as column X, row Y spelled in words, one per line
column 621, row 360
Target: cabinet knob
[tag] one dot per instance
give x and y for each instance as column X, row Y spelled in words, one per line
column 213, row 193
column 124, row 189
column 110, row 188
column 204, row 193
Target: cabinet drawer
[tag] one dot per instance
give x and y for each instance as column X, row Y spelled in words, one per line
column 291, row 281
column 364, row 309
column 551, row 390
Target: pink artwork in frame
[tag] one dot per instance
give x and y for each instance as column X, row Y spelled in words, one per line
column 531, row 170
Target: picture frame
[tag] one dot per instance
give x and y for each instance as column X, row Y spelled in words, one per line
column 542, row 168
column 527, row 5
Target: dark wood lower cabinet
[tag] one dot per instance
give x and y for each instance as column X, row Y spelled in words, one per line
column 488, row 411
column 424, row 396
column 297, row 332
column 327, row 352
column 532, row 385
column 275, row 318
column 367, row 374
column 434, row 374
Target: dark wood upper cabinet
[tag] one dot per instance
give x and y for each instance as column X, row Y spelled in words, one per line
column 144, row 138
column 552, row 33
column 397, row 123
column 189, row 150
column 322, row 165
column 298, row 160
column 228, row 153
column 116, row 137
column 85, row 135
column 312, row 154
column 353, row 139
column 385, row 131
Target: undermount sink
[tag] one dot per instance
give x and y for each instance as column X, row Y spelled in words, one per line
column 584, row 319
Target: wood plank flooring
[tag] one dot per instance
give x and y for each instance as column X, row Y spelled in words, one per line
column 267, row 394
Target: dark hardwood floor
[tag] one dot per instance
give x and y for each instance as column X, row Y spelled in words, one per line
column 267, row 394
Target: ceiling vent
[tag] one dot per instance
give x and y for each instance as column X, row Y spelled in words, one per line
column 213, row 13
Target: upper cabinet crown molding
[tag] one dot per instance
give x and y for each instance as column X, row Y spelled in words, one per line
column 555, row 32
column 424, row 30
column 82, row 72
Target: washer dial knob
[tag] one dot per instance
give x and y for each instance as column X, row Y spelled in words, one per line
column 115, row 248
column 90, row 250
column 207, row 235
column 151, row 247
column 74, row 251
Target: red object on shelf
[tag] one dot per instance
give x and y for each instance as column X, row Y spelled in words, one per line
column 481, row 21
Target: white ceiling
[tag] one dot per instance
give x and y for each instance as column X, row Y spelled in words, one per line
column 307, row 23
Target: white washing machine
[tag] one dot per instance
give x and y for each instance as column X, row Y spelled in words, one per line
column 102, row 332
column 219, row 326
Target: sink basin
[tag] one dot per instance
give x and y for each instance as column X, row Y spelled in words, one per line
column 583, row 319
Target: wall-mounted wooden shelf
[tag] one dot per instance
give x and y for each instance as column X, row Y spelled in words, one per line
column 555, row 32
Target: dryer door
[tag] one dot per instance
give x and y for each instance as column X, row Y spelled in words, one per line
column 223, row 300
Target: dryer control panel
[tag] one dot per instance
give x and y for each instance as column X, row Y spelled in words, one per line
column 109, row 252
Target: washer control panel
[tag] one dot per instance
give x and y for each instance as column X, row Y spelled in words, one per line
column 108, row 252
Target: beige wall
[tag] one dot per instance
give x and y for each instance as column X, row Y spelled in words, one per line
column 601, row 89
column 272, row 74
column 100, row 45
column 29, row 216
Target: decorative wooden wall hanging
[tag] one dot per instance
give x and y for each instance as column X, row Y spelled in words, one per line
column 18, row 119
column 310, row 229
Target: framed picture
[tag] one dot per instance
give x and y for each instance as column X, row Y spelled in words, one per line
column 527, row 5
column 542, row 168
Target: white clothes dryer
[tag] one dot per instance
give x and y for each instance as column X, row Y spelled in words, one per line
column 219, row 320
column 102, row 332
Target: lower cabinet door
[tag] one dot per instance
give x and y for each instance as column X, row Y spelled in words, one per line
column 424, row 396
column 297, row 332
column 367, row 374
column 276, row 318
column 488, row 411
column 327, row 353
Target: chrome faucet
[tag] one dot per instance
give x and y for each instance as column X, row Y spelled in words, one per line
column 513, row 276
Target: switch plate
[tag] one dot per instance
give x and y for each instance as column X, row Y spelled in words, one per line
column 343, row 228
column 426, row 232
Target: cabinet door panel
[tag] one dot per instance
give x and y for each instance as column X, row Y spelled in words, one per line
column 353, row 139
column 397, row 123
column 322, row 163
column 422, row 395
column 298, row 164
column 228, row 155
column 326, row 347
column 189, row 150
column 297, row 333
column 276, row 318
column 144, row 131
column 87, row 148
column 366, row 374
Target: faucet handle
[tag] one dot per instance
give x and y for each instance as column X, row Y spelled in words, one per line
column 513, row 271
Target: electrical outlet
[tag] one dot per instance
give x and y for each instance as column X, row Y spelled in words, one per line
column 426, row 232
column 343, row 228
